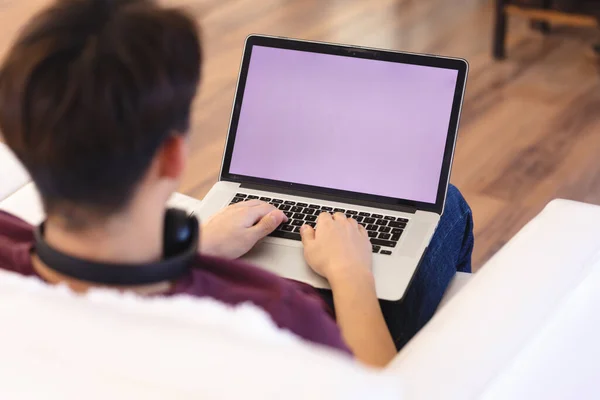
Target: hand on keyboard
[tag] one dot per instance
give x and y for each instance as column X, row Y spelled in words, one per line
column 384, row 230
column 233, row 231
column 339, row 246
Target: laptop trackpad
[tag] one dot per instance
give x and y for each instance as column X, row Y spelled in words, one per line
column 415, row 239
column 285, row 261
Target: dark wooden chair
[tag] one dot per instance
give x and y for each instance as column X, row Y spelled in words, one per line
column 542, row 13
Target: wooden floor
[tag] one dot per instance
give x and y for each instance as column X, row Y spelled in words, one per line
column 530, row 129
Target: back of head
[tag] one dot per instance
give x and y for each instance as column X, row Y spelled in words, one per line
column 89, row 92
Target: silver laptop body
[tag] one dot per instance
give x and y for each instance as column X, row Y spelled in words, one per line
column 325, row 127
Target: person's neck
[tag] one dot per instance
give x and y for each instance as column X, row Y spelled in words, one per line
column 129, row 238
column 134, row 239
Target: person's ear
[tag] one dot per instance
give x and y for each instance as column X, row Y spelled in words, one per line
column 172, row 157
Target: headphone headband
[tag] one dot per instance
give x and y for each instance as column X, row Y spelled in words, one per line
column 172, row 267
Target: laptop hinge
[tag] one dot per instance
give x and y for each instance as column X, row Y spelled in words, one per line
column 322, row 196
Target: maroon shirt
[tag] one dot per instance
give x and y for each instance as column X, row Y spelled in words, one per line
column 292, row 306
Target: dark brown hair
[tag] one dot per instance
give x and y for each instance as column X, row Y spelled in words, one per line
column 90, row 90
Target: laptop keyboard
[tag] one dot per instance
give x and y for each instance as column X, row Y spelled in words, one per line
column 384, row 230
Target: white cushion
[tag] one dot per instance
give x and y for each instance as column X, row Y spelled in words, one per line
column 12, row 174
column 55, row 344
column 526, row 326
column 19, row 196
column 457, row 284
column 26, row 204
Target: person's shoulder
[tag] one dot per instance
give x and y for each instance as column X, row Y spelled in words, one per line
column 306, row 314
column 291, row 305
column 11, row 225
column 16, row 240
column 14, row 230
column 233, row 281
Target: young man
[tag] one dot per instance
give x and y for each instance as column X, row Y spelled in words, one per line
column 95, row 99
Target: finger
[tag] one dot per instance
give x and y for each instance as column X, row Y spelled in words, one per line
column 256, row 202
column 324, row 216
column 254, row 213
column 363, row 230
column 308, row 234
column 267, row 224
column 247, row 203
column 353, row 222
column 338, row 216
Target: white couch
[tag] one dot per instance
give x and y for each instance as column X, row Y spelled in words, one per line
column 525, row 326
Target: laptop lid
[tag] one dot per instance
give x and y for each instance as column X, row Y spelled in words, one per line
column 356, row 125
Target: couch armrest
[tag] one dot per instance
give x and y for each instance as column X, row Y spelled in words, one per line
column 12, row 174
column 525, row 325
column 26, row 204
column 457, row 283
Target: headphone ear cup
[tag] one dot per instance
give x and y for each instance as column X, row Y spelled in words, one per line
column 178, row 231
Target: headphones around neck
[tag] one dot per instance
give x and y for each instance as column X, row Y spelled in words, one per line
column 180, row 246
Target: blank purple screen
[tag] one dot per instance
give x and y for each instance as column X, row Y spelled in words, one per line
column 338, row 122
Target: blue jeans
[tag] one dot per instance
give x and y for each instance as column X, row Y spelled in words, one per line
column 449, row 251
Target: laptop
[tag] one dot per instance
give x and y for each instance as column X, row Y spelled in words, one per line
column 319, row 127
